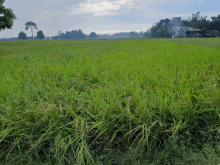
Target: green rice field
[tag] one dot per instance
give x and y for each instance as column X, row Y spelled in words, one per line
column 110, row 102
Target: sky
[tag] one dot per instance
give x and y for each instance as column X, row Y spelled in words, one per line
column 101, row 16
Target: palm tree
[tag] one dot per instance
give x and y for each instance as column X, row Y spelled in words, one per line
column 32, row 25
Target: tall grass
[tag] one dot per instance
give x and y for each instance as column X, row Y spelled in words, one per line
column 109, row 102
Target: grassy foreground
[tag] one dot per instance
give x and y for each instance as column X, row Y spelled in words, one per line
column 139, row 101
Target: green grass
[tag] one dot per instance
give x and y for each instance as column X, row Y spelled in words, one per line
column 139, row 101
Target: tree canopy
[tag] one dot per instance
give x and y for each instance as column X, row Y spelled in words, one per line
column 162, row 29
column 22, row 35
column 32, row 25
column 165, row 27
column 6, row 21
column 133, row 35
column 93, row 35
column 40, row 35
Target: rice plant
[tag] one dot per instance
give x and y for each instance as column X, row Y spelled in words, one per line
column 139, row 101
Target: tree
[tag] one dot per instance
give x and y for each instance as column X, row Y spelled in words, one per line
column 197, row 22
column 141, row 34
column 93, row 35
column 40, row 35
column 32, row 25
column 22, row 36
column 166, row 31
column 194, row 21
column 147, row 33
column 53, row 37
column 80, row 34
column 60, row 33
column 6, row 21
column 73, row 34
column 133, row 35
column 215, row 23
column 67, row 35
column 162, row 29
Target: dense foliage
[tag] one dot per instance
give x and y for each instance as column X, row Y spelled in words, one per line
column 40, row 35
column 6, row 21
column 22, row 36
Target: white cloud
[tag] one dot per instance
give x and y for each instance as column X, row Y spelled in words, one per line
column 118, row 7
column 101, row 8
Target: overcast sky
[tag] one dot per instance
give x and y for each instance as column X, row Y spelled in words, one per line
column 101, row 16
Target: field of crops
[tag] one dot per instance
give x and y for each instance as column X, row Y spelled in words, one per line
column 137, row 101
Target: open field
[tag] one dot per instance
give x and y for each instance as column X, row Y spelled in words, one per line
column 213, row 42
column 137, row 101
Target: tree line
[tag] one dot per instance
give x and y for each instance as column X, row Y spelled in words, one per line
column 77, row 34
column 165, row 28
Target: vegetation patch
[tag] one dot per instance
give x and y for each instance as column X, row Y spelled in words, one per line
column 139, row 101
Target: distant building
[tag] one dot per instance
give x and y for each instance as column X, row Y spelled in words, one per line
column 193, row 32
column 208, row 33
